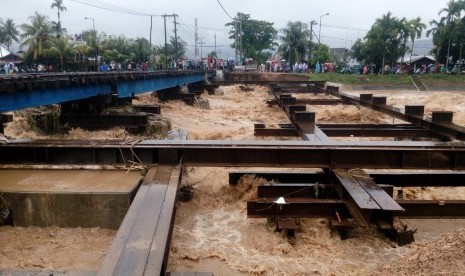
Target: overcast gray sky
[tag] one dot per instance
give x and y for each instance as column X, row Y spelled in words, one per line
column 348, row 20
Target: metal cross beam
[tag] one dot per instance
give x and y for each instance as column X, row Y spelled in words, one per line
column 398, row 155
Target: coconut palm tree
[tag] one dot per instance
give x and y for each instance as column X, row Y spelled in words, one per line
column 437, row 30
column 295, row 40
column 36, row 34
column 62, row 47
column 416, row 29
column 8, row 32
column 59, row 5
column 452, row 12
column 403, row 33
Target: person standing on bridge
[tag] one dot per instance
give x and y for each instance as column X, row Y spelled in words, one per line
column 6, row 67
column 104, row 67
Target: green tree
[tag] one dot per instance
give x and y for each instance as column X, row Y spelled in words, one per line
column 58, row 4
column 95, row 41
column 257, row 36
column 177, row 49
column 295, row 41
column 35, row 35
column 437, row 31
column 63, row 48
column 8, row 32
column 140, row 50
column 416, row 29
column 452, row 12
column 384, row 42
column 117, row 49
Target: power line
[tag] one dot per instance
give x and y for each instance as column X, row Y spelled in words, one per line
column 206, row 28
column 224, row 9
column 109, row 7
column 345, row 28
column 209, row 46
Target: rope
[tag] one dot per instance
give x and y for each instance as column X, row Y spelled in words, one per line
column 350, row 172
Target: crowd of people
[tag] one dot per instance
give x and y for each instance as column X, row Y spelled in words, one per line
column 214, row 63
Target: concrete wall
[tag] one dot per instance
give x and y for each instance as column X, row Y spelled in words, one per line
column 104, row 210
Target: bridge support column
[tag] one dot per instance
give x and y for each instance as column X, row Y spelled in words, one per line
column 5, row 118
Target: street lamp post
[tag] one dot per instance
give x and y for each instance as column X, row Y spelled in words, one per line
column 96, row 45
column 319, row 36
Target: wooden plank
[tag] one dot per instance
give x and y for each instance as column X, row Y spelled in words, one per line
column 384, row 201
column 156, row 263
column 356, row 191
column 135, row 253
column 361, row 216
column 125, row 229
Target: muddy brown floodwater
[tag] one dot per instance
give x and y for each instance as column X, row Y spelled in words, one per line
column 212, row 232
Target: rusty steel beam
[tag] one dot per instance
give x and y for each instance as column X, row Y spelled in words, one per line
column 396, row 179
column 311, row 101
column 341, row 130
column 364, row 199
column 420, row 179
column 314, row 190
column 280, row 177
column 147, row 224
column 321, row 191
column 450, row 130
column 320, row 208
column 134, row 120
column 251, row 80
column 262, row 130
column 379, row 155
column 310, row 208
column 430, row 209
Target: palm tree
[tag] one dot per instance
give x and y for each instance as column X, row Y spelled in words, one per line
column 452, row 11
column 437, row 31
column 63, row 47
column 387, row 28
column 141, row 49
column 416, row 29
column 1, row 37
column 57, row 29
column 59, row 5
column 295, row 40
column 8, row 32
column 36, row 34
column 403, row 30
column 95, row 40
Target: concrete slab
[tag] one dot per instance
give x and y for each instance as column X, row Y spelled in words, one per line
column 68, row 198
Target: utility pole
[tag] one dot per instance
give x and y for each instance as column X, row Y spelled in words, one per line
column 196, row 37
column 175, row 36
column 215, row 45
column 151, row 17
column 166, row 43
column 241, row 51
column 236, row 40
column 313, row 22
column 201, row 47
column 319, row 37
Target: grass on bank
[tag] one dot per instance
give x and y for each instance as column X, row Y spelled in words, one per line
column 352, row 79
